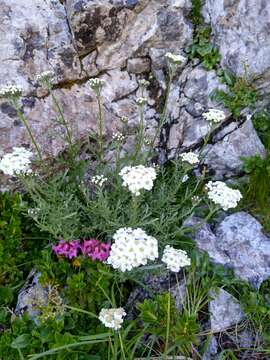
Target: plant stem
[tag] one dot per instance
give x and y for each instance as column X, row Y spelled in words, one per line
column 122, row 345
column 168, row 325
column 140, row 134
column 25, row 122
column 101, row 128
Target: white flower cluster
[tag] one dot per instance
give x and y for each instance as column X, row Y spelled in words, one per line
column 190, row 157
column 112, row 318
column 144, row 83
column 11, row 91
column 117, row 136
column 214, row 116
column 141, row 101
column 99, row 180
column 17, row 162
column 175, row 259
column 132, row 248
column 45, row 76
column 138, row 178
column 175, row 59
column 96, row 83
column 222, row 195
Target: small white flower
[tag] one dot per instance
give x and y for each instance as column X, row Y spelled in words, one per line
column 118, row 137
column 112, row 318
column 138, row 178
column 214, row 116
column 175, row 259
column 190, row 157
column 132, row 248
column 222, row 195
column 17, row 162
column 144, row 83
column 175, row 59
column 99, row 180
column 96, row 83
column 141, row 101
column 185, row 178
column 11, row 91
column 45, row 76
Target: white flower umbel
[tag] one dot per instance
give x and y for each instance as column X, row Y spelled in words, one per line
column 96, row 83
column 175, row 59
column 17, row 162
column 214, row 116
column 99, row 180
column 222, row 195
column 118, row 137
column 138, row 178
column 190, row 157
column 45, row 77
column 143, row 83
column 11, row 91
column 112, row 318
column 132, row 248
column 175, row 259
column 141, row 101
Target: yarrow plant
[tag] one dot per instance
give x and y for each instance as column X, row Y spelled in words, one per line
column 214, row 116
column 45, row 77
column 112, row 318
column 17, row 163
column 118, row 137
column 190, row 157
column 174, row 59
column 141, row 101
column 11, row 91
column 99, row 180
column 175, row 259
column 132, row 248
column 223, row 195
column 138, row 178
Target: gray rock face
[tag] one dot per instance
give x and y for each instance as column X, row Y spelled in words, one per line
column 225, row 311
column 241, row 30
column 238, row 242
column 225, row 157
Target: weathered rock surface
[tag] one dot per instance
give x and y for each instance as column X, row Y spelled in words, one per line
column 238, row 242
column 225, row 157
column 241, row 30
column 225, row 311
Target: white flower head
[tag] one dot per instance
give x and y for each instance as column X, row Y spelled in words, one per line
column 185, row 178
column 132, row 248
column 141, row 101
column 223, row 195
column 118, row 137
column 214, row 116
column 190, row 157
column 175, row 259
column 112, row 318
column 138, row 178
column 174, row 59
column 96, row 84
column 143, row 83
column 11, row 91
column 99, row 180
column 17, row 162
column 45, row 77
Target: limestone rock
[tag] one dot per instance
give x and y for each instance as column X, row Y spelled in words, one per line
column 238, row 242
column 225, row 157
column 225, row 311
column 241, row 30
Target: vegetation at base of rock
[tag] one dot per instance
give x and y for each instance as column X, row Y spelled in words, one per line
column 241, row 94
column 202, row 47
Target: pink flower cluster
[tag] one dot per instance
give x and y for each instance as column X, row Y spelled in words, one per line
column 92, row 248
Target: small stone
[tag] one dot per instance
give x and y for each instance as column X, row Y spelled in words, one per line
column 225, row 311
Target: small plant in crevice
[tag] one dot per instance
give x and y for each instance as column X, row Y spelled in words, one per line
column 202, row 47
column 241, row 93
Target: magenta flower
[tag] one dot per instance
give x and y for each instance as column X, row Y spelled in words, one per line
column 96, row 250
column 68, row 249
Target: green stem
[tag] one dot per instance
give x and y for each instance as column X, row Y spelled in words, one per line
column 122, row 345
column 101, row 129
column 140, row 134
column 25, row 122
column 62, row 117
column 168, row 325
